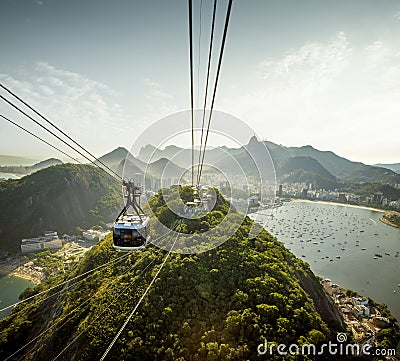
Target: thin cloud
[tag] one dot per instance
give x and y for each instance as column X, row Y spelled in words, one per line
column 320, row 62
column 155, row 90
column 159, row 102
column 66, row 95
column 326, row 90
column 84, row 108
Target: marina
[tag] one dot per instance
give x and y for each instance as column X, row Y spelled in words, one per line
column 348, row 244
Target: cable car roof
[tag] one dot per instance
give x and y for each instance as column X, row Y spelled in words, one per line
column 132, row 220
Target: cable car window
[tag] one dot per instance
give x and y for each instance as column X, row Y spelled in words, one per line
column 128, row 238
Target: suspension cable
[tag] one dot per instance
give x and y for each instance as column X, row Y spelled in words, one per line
column 138, row 303
column 99, row 170
column 199, row 56
column 110, row 303
column 191, row 80
column 63, row 283
column 41, row 139
column 57, row 128
column 206, row 89
column 116, row 261
column 117, row 177
column 228, row 13
column 74, row 310
column 63, row 318
column 115, row 299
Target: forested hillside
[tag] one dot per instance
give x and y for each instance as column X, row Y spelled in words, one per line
column 57, row 198
column 308, row 177
column 289, row 165
column 216, row 305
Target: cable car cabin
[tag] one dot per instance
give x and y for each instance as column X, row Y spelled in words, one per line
column 131, row 233
column 192, row 209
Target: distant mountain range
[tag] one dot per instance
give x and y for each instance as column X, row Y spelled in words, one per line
column 29, row 169
column 7, row 160
column 305, row 164
column 395, row 167
column 324, row 169
column 125, row 164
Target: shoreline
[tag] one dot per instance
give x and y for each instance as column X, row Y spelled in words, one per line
column 338, row 204
column 384, row 220
column 15, row 175
column 36, row 281
column 21, row 272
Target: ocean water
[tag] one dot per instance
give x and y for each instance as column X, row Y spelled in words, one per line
column 348, row 245
column 8, row 175
column 10, row 289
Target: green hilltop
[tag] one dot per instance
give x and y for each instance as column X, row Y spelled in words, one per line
column 216, row 305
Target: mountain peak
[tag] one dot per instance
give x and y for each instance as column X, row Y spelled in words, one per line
column 114, row 156
column 162, row 160
column 253, row 140
column 119, row 150
column 164, row 167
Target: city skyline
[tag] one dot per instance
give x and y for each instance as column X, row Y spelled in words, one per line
column 325, row 75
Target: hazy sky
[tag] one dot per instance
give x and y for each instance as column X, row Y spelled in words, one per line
column 324, row 73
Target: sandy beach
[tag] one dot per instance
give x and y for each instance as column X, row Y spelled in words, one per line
column 26, row 271
column 35, row 277
column 339, row 204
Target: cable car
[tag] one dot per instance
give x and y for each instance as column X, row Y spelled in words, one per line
column 131, row 232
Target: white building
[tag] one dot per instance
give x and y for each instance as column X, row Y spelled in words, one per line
column 359, row 301
column 50, row 241
column 361, row 310
column 93, row 235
